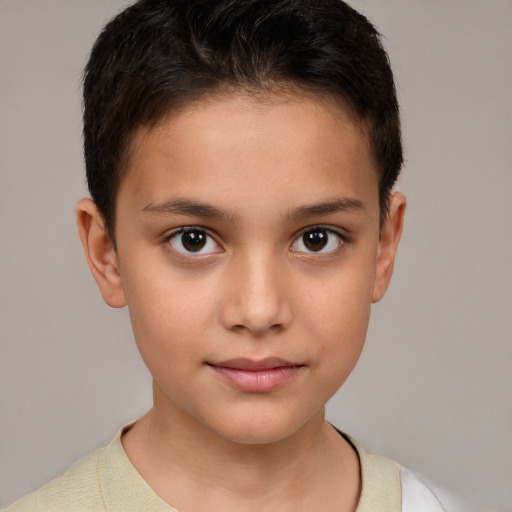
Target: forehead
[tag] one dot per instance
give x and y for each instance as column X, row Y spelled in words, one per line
column 231, row 149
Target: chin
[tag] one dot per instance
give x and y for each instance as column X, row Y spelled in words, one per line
column 255, row 436
column 259, row 428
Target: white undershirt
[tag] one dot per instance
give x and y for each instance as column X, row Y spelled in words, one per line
column 416, row 496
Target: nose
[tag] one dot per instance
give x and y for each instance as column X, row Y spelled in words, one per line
column 256, row 298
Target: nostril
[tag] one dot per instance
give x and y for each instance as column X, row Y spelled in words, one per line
column 257, row 329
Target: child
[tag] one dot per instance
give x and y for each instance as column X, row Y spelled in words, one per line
column 241, row 157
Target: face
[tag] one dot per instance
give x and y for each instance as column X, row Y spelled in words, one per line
column 248, row 249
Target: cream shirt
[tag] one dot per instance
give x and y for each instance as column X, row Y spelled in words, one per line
column 106, row 481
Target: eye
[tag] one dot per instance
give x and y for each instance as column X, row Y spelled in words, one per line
column 319, row 240
column 193, row 241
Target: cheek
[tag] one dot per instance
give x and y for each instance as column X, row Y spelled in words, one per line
column 337, row 312
column 168, row 313
column 342, row 327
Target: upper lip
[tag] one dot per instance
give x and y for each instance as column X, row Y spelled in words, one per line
column 254, row 364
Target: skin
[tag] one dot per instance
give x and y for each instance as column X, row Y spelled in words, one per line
column 269, row 169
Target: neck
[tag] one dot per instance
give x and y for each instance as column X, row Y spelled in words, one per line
column 179, row 457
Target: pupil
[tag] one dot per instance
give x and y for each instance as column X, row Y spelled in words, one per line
column 315, row 240
column 193, row 241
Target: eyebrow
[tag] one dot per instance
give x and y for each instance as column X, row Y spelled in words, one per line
column 187, row 207
column 192, row 208
column 328, row 207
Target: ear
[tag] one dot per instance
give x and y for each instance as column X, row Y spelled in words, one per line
column 390, row 234
column 100, row 253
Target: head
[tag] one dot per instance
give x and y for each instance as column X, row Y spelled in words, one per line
column 158, row 56
column 241, row 156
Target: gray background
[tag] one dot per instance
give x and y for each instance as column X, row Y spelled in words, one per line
column 434, row 386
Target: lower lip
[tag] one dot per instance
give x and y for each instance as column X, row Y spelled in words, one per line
column 257, row 381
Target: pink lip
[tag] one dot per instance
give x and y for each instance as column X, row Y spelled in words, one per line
column 256, row 376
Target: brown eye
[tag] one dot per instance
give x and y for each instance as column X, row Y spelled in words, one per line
column 193, row 241
column 315, row 240
column 318, row 239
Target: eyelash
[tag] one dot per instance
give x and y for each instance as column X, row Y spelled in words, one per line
column 209, row 240
column 342, row 239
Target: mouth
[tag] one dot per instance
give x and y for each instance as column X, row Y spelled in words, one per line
column 256, row 376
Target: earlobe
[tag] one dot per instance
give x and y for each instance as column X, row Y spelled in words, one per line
column 100, row 253
column 390, row 234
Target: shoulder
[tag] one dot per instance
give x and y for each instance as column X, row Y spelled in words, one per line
column 78, row 489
